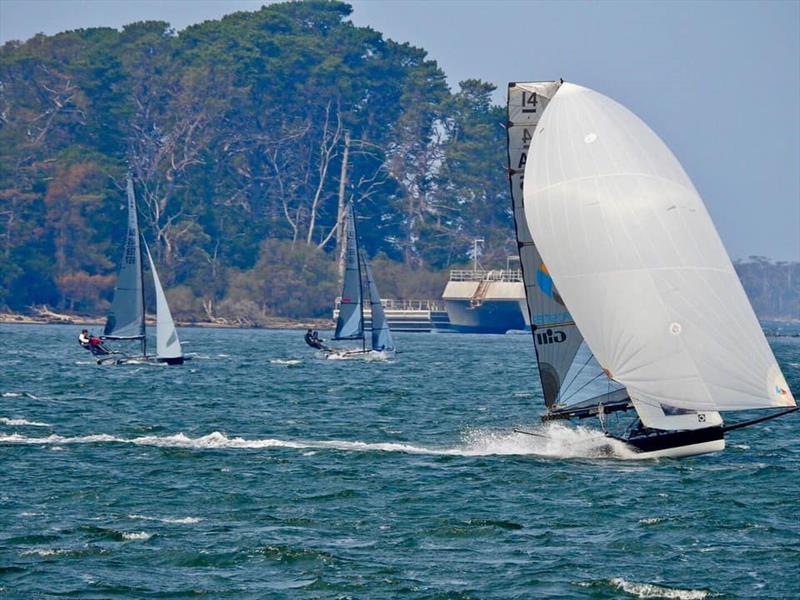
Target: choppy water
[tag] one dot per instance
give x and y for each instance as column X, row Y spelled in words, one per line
column 260, row 471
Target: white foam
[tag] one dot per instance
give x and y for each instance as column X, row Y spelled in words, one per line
column 180, row 521
column 648, row 590
column 138, row 535
column 287, row 361
column 651, row 520
column 22, row 422
column 44, row 552
column 552, row 441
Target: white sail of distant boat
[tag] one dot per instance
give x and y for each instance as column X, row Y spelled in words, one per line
column 381, row 334
column 126, row 319
column 350, row 322
column 627, row 260
column 168, row 346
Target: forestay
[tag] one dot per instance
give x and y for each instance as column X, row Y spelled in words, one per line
column 381, row 334
column 350, row 324
column 126, row 317
column 168, row 346
column 635, row 257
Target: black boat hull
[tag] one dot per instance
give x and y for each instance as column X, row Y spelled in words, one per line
column 179, row 360
column 676, row 444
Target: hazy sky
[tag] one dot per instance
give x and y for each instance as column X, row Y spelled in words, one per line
column 719, row 82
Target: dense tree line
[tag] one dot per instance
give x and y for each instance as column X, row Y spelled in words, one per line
column 245, row 136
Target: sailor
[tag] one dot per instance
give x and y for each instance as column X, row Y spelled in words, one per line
column 83, row 339
column 97, row 347
column 312, row 339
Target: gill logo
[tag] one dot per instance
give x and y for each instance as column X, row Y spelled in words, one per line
column 779, row 391
column 546, row 284
column 550, row 337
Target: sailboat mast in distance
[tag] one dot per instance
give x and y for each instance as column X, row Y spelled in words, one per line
column 352, row 215
column 350, row 324
column 126, row 317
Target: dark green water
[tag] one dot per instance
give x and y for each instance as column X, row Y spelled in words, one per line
column 260, row 471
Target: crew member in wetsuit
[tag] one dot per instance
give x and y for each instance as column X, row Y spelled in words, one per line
column 312, row 339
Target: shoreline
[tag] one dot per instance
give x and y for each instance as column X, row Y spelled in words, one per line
column 79, row 320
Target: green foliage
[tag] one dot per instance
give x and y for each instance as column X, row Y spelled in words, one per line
column 289, row 280
column 236, row 133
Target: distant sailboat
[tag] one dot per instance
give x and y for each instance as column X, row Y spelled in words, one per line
column 126, row 319
column 634, row 302
column 350, row 324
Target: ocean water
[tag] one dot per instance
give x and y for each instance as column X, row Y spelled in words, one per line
column 258, row 470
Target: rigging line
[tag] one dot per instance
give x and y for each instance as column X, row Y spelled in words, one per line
column 584, row 385
column 574, row 377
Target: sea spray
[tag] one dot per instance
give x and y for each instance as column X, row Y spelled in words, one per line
column 552, row 441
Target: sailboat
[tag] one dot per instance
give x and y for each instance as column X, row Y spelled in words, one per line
column 350, row 323
column 126, row 319
column 634, row 304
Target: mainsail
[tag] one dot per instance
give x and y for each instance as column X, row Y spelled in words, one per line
column 381, row 334
column 634, row 255
column 126, row 317
column 168, row 346
column 565, row 376
column 350, row 324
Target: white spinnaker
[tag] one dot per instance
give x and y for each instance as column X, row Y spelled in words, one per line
column 638, row 263
column 167, row 343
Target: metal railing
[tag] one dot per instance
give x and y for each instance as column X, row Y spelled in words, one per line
column 503, row 275
column 401, row 304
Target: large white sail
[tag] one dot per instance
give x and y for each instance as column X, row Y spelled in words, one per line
column 168, row 346
column 637, row 261
column 126, row 317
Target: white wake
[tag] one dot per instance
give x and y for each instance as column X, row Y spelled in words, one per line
column 552, row 441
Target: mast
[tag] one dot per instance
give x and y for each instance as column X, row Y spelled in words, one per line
column 141, row 266
column 360, row 278
column 144, row 311
column 556, row 339
column 126, row 315
column 350, row 322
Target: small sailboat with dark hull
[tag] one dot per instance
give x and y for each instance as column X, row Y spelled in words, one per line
column 634, row 304
column 350, row 325
column 126, row 319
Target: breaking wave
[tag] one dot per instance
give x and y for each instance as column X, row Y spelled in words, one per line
column 285, row 361
column 22, row 423
column 19, row 395
column 173, row 520
column 552, row 441
column 648, row 590
column 136, row 535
